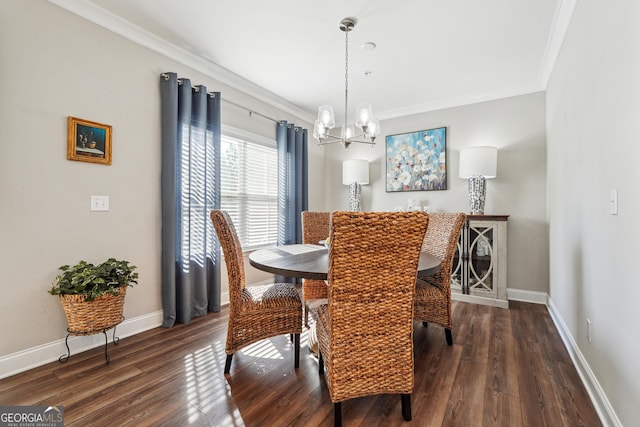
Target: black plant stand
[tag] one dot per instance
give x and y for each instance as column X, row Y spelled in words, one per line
column 65, row 357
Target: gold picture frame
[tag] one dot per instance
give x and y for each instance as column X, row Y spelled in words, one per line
column 88, row 141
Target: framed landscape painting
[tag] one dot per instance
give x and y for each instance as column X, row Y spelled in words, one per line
column 417, row 161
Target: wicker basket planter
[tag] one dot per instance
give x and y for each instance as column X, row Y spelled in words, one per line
column 89, row 317
column 92, row 298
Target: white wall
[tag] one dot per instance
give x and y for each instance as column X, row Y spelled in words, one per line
column 517, row 127
column 55, row 64
column 593, row 108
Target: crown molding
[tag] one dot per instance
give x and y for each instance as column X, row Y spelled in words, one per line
column 559, row 29
column 460, row 101
column 126, row 29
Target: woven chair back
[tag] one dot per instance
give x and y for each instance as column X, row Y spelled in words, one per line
column 232, row 254
column 441, row 240
column 315, row 226
column 373, row 260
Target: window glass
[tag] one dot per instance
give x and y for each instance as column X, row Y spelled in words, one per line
column 249, row 184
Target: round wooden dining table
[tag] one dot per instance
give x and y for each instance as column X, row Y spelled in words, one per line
column 312, row 261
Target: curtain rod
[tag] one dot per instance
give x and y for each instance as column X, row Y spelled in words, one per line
column 251, row 112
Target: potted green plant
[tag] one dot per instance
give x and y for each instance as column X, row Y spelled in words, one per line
column 92, row 296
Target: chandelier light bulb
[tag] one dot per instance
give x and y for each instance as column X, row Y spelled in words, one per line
column 373, row 129
column 364, row 115
column 326, row 116
column 347, row 132
column 319, row 130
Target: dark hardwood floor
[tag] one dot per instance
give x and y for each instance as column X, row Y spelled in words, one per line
column 506, row 368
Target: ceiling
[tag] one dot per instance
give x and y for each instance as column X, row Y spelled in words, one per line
column 430, row 54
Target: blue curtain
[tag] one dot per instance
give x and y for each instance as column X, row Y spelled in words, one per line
column 190, row 182
column 293, row 184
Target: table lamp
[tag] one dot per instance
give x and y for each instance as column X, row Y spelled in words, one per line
column 355, row 173
column 478, row 164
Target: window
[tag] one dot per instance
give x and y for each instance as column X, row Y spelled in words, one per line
column 249, row 187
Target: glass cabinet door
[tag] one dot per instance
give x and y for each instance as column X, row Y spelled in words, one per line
column 481, row 259
column 479, row 272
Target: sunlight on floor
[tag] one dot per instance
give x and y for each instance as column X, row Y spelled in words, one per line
column 205, row 389
column 203, row 392
column 264, row 349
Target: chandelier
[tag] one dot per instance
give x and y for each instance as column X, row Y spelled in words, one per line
column 368, row 127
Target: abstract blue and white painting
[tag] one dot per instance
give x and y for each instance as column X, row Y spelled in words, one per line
column 416, row 161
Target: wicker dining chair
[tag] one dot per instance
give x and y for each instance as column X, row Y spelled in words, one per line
column 255, row 312
column 315, row 227
column 433, row 293
column 365, row 331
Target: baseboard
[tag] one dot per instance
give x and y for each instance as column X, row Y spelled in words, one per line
column 224, row 298
column 599, row 399
column 45, row 353
column 476, row 299
column 524, row 295
column 512, row 295
column 36, row 356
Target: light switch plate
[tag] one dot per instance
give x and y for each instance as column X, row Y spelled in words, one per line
column 100, row 203
column 613, row 202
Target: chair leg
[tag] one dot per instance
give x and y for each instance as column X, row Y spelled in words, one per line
column 447, row 335
column 406, row 406
column 306, row 315
column 337, row 414
column 227, row 364
column 320, row 362
column 296, row 350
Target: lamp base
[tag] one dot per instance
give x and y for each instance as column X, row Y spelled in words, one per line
column 355, row 197
column 477, row 194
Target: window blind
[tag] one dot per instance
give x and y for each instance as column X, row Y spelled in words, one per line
column 249, row 190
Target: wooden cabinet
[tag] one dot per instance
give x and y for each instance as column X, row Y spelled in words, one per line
column 479, row 273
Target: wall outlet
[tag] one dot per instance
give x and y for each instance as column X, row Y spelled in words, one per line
column 588, row 331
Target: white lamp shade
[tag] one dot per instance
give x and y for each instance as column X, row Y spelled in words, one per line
column 478, row 161
column 355, row 171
